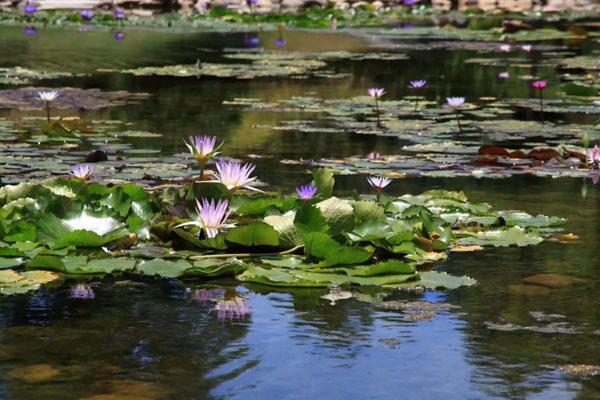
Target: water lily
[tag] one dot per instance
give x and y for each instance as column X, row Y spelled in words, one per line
column 120, row 36
column 203, row 148
column 455, row 103
column 505, row 48
column 30, row 9
column 83, row 171
column 527, row 48
column 119, row 14
column 82, row 291
column 48, row 97
column 212, row 217
column 378, row 183
column 235, row 175
column 86, row 15
column 376, row 93
column 416, row 85
column 503, row 75
column 306, row 192
column 593, row 156
column 540, row 85
column 280, row 42
column 233, row 309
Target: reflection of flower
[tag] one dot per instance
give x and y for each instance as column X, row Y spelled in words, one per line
column 235, row 175
column 595, row 177
column 30, row 31
column 539, row 85
column 212, row 217
column 251, row 40
column 378, row 183
column 503, row 75
column 280, row 42
column 86, row 15
column 376, row 92
column 83, row 171
column 232, row 310
column 455, row 102
column 306, row 192
column 82, row 291
column 204, row 296
column 119, row 36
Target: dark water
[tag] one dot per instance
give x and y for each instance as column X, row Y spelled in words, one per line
column 164, row 340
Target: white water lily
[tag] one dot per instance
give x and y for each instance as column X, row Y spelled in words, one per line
column 48, row 96
column 235, row 175
column 212, row 217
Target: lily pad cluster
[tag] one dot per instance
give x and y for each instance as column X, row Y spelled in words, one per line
column 74, row 228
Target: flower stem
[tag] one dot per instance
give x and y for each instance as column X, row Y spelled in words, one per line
column 458, row 121
column 48, row 111
column 542, row 106
column 417, row 104
column 377, row 112
column 247, row 255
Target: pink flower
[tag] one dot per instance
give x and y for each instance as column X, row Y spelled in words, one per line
column 503, row 75
column 505, row 48
column 235, row 175
column 539, row 85
column 212, row 217
column 378, row 183
column 203, row 148
column 417, row 84
column 306, row 192
column 527, row 47
column 376, row 92
column 593, row 155
column 455, row 102
column 83, row 172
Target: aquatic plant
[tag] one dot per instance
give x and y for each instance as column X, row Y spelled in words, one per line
column 203, row 148
column 120, row 36
column 212, row 217
column 86, row 15
column 306, row 192
column 83, row 172
column 48, row 97
column 235, row 175
column 29, row 8
column 455, row 103
column 527, row 48
column 417, row 85
column 506, row 48
column 378, row 184
column 593, row 156
column 504, row 75
column 540, row 85
column 376, row 93
column 119, row 14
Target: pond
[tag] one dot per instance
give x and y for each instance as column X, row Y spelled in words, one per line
column 164, row 339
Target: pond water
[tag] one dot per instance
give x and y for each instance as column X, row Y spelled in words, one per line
column 164, row 340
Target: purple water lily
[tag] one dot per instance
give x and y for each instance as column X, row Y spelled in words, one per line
column 204, row 296
column 306, row 192
column 417, row 85
column 593, row 156
column 203, row 147
column 235, row 175
column 82, row 291
column 455, row 103
column 120, row 36
column 527, row 48
column 540, row 85
column 251, row 40
column 376, row 93
column 86, row 15
column 504, row 75
column 30, row 9
column 83, row 171
column 280, row 42
column 233, row 309
column 378, row 183
column 212, row 217
column 505, row 48
column 119, row 14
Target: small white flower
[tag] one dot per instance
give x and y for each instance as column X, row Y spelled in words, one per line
column 212, row 217
column 83, row 171
column 235, row 175
column 455, row 102
column 48, row 96
column 378, row 183
column 376, row 92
